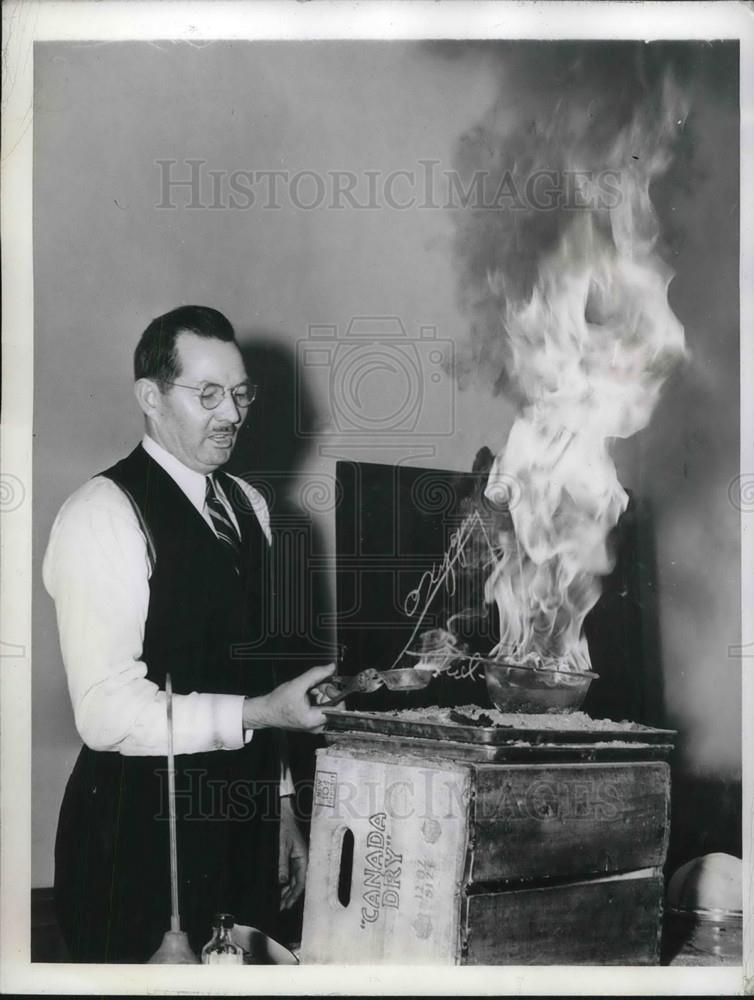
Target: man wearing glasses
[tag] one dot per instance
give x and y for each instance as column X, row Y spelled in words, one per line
column 161, row 565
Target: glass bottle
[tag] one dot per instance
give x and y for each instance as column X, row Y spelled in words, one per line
column 221, row 949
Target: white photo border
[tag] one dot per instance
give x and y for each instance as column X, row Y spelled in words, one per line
column 194, row 20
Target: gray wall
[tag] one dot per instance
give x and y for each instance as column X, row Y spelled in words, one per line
column 107, row 261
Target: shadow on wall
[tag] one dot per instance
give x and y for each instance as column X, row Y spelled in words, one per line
column 276, row 437
column 623, row 630
column 706, row 816
column 271, row 452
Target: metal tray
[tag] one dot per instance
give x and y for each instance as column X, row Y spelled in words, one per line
column 512, row 753
column 387, row 725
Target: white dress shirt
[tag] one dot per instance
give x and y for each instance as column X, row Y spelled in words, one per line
column 96, row 569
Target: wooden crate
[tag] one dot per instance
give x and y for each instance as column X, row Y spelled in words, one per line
column 415, row 860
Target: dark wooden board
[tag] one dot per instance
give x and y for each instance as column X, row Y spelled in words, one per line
column 613, row 921
column 568, row 820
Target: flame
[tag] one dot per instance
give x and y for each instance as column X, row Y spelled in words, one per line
column 591, row 349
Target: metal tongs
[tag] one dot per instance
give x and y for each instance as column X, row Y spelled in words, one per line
column 364, row 682
column 369, row 680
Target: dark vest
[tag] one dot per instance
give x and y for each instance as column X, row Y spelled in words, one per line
column 206, row 626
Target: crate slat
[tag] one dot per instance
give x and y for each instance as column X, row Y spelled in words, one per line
column 409, row 827
column 611, row 921
column 560, row 820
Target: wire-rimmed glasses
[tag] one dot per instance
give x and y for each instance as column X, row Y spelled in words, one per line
column 211, row 395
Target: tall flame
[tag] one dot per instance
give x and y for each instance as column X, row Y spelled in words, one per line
column 591, row 349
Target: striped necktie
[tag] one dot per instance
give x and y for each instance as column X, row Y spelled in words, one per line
column 222, row 523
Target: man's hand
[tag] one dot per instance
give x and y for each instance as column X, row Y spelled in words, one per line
column 289, row 705
column 293, row 856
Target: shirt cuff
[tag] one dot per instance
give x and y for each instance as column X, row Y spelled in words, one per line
column 228, row 717
column 286, row 781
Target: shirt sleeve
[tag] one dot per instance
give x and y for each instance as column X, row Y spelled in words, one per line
column 96, row 569
column 286, row 779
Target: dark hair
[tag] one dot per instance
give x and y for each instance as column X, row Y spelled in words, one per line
column 155, row 356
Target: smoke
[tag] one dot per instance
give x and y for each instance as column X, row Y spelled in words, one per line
column 526, row 167
column 567, row 292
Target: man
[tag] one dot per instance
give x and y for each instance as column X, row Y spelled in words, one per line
column 160, row 565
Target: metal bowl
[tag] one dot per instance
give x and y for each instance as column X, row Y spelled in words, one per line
column 405, row 679
column 529, row 690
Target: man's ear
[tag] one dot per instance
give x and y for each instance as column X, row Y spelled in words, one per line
column 147, row 394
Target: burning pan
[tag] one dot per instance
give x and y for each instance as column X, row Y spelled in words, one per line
column 526, row 689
